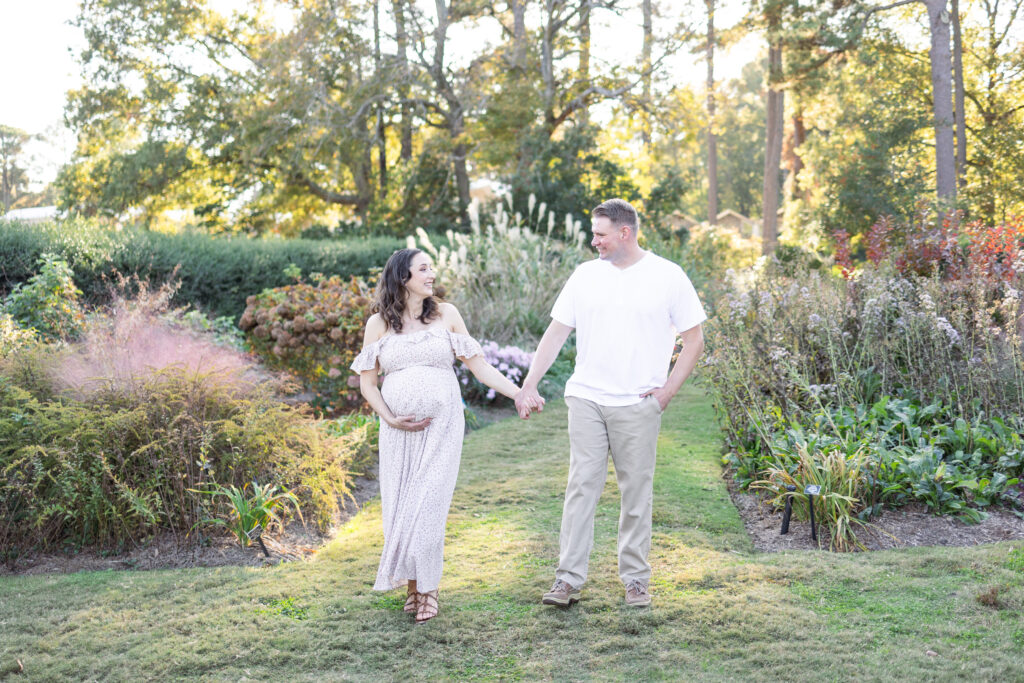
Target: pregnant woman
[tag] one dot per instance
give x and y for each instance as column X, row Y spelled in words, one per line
column 414, row 339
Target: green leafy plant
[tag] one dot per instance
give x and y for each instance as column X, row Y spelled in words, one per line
column 12, row 335
column 285, row 607
column 1015, row 561
column 262, row 507
column 360, row 433
column 842, row 483
column 49, row 301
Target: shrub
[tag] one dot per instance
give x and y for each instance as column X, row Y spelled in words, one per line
column 504, row 278
column 12, row 335
column 48, row 301
column 216, row 274
column 314, row 331
column 510, row 361
column 101, row 441
column 360, row 431
column 923, row 374
column 799, row 341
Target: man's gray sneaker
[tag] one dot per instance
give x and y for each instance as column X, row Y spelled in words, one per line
column 561, row 594
column 637, row 595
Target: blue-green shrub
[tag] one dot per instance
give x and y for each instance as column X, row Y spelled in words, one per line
column 216, row 274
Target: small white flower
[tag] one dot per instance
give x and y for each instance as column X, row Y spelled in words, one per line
column 948, row 330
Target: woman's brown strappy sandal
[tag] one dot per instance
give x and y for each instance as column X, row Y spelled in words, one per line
column 412, row 602
column 427, row 607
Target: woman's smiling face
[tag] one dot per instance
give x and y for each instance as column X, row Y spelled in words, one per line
column 421, row 276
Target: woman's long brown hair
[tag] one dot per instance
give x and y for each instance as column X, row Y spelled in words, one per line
column 391, row 292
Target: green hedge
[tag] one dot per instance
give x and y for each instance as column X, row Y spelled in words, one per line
column 216, row 273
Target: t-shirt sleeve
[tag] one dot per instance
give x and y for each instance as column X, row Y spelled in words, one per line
column 564, row 310
column 686, row 310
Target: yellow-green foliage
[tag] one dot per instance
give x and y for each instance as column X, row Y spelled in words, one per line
column 12, row 335
column 119, row 465
column 49, row 301
column 843, row 484
column 313, row 331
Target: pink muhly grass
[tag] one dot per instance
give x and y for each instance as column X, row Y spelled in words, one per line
column 128, row 346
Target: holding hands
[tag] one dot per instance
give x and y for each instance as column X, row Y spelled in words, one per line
column 527, row 401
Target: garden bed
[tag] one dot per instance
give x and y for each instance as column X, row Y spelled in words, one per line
column 909, row 526
column 169, row 550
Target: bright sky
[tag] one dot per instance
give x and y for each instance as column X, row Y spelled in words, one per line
column 35, row 43
column 38, row 43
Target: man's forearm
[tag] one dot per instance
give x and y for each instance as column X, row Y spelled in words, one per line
column 546, row 353
column 693, row 347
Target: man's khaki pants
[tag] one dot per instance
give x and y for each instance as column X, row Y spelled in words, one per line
column 631, row 434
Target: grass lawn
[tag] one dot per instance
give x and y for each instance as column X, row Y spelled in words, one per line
column 721, row 611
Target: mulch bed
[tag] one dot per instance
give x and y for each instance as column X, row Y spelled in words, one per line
column 911, row 525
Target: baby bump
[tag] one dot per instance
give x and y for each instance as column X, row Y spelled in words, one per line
column 420, row 391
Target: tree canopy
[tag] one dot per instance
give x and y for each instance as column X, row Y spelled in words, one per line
column 287, row 113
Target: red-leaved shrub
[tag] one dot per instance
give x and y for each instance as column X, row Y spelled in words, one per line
column 313, row 331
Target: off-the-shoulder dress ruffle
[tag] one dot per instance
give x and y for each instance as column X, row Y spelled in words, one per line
column 463, row 345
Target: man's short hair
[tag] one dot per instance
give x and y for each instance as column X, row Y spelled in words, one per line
column 619, row 212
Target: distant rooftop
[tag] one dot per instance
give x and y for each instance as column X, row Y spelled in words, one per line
column 35, row 214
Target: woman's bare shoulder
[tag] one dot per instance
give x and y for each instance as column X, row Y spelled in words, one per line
column 375, row 328
column 452, row 318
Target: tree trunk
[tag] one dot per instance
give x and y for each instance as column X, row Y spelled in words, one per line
column 791, row 159
column 712, row 137
column 585, row 56
column 455, row 115
column 547, row 67
column 462, row 181
column 645, row 59
column 402, row 40
column 942, row 105
column 773, row 139
column 381, row 134
column 958, row 98
column 5, row 189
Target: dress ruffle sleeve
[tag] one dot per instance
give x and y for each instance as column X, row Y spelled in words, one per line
column 367, row 358
column 465, row 346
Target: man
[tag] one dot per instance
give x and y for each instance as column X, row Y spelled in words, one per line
column 626, row 308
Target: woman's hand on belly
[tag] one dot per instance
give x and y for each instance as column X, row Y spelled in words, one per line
column 409, row 423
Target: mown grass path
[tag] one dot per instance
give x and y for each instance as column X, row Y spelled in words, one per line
column 721, row 611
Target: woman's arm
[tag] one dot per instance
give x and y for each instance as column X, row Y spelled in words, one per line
column 491, row 376
column 481, row 369
column 368, row 387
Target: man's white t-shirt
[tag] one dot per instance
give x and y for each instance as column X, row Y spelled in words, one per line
column 626, row 322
